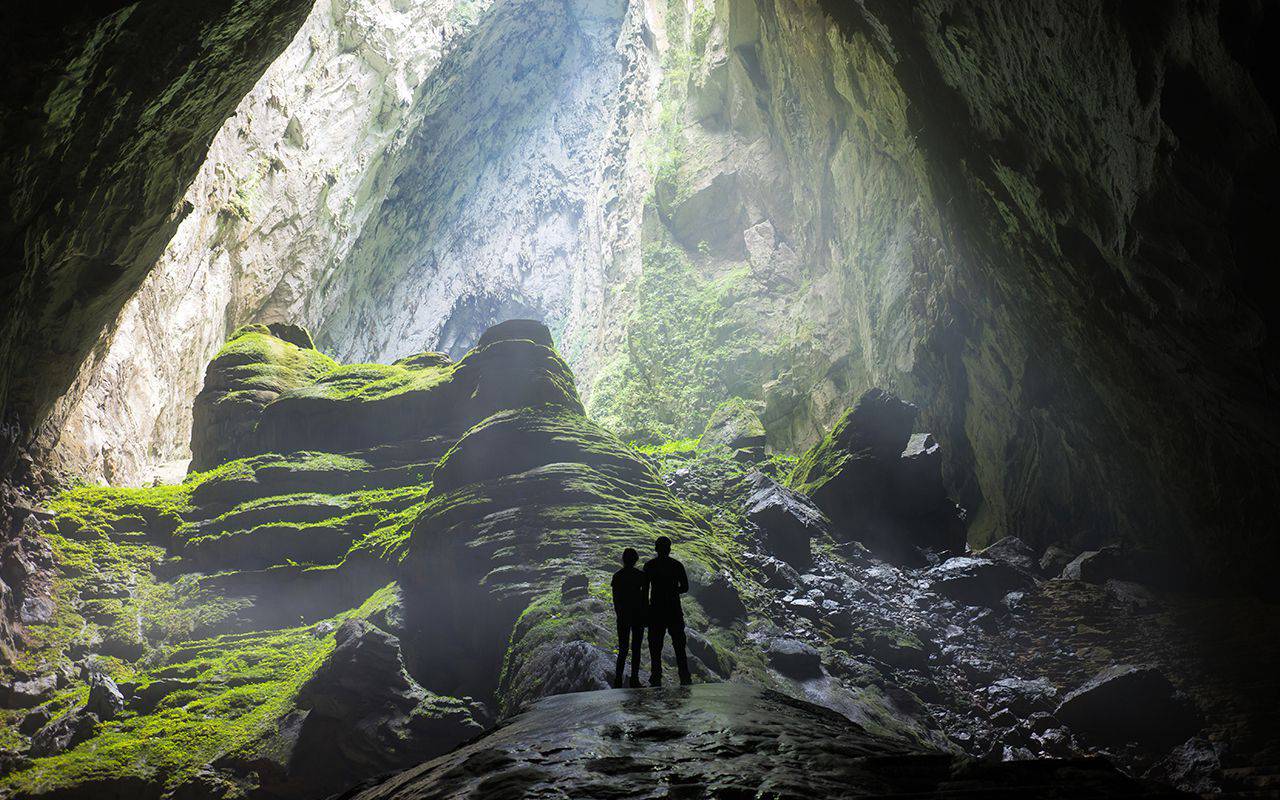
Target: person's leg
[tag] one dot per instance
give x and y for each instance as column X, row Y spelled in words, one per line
column 677, row 643
column 624, row 631
column 656, row 634
column 637, row 637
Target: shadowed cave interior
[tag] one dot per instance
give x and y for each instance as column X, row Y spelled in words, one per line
column 347, row 343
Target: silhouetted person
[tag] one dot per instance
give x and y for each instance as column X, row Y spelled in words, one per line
column 630, row 598
column 667, row 581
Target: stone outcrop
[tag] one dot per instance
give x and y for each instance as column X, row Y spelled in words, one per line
column 727, row 740
column 1127, row 704
column 254, row 368
column 880, row 485
column 733, row 426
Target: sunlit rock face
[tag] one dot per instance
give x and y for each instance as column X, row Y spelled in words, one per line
column 513, row 191
column 109, row 111
column 281, row 197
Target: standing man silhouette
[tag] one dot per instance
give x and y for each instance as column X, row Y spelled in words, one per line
column 667, row 581
column 630, row 596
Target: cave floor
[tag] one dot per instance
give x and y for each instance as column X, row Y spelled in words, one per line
column 725, row 740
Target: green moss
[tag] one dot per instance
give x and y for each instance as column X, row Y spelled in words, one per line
column 98, row 509
column 255, row 361
column 376, row 381
column 686, row 350
column 239, row 688
column 821, row 463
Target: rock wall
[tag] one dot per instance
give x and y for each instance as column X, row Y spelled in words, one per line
column 1040, row 226
column 282, row 195
column 109, row 112
column 515, row 189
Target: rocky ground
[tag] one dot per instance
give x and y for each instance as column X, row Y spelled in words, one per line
column 722, row 740
column 375, row 563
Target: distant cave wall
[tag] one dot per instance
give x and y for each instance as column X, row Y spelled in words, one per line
column 1043, row 223
column 288, row 183
column 511, row 191
column 1103, row 174
column 109, row 111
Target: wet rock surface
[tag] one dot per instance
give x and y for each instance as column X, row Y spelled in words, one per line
column 722, row 740
column 879, row 485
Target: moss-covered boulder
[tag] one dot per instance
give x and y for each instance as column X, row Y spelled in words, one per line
column 253, row 368
column 358, row 406
column 733, row 426
column 878, row 484
column 524, row 500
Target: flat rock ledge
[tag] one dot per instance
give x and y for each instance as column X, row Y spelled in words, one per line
column 722, row 740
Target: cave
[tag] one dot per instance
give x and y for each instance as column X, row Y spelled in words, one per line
column 347, row 344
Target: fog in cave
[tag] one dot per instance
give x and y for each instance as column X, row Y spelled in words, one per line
column 347, row 344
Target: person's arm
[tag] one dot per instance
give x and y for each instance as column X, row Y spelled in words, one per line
column 614, row 586
column 682, row 582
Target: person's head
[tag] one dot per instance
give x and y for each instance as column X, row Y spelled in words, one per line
column 630, row 557
column 663, row 546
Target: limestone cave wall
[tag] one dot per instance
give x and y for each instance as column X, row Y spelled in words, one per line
column 1042, row 223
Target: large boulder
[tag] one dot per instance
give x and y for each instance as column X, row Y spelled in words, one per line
column 1012, row 550
column 727, row 740
column 252, row 369
column 527, row 329
column 733, row 426
column 794, row 659
column 364, row 715
column 879, row 484
column 105, row 698
column 27, row 692
column 1115, row 562
column 977, row 581
column 63, row 733
column 359, row 406
column 1127, row 704
column 787, row 520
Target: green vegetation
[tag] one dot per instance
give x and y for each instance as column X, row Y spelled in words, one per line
column 253, row 360
column 235, row 688
column 686, row 350
column 367, row 382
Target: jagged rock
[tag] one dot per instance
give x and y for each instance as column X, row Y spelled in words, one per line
column 977, row 581
column 1193, row 766
column 1126, row 703
column 897, row 648
column 1012, row 550
column 729, row 740
column 715, row 659
column 34, row 720
column 1054, row 560
column 295, row 335
column 787, row 519
column 573, row 587
column 1122, row 563
column 1021, row 696
column 710, row 216
column 105, row 699
column 733, row 426
column 720, row 599
column 880, row 485
column 1133, row 597
column 63, row 733
column 365, row 715
column 794, row 658
column 27, row 693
